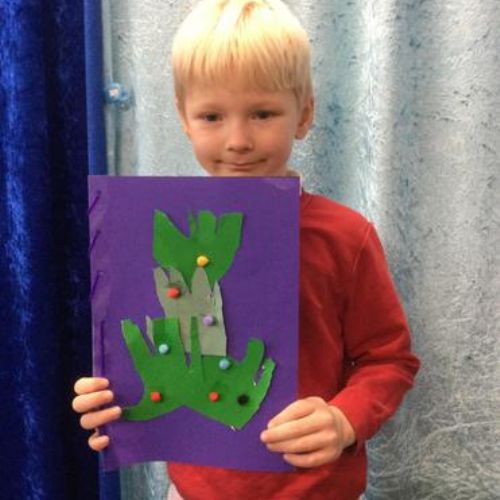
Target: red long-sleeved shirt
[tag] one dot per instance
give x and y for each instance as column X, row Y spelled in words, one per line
column 354, row 352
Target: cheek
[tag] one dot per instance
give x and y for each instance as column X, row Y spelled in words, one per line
column 202, row 146
column 281, row 143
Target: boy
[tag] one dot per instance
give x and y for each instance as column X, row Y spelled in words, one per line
column 244, row 94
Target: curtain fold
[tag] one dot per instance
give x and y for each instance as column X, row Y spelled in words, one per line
column 109, row 482
column 44, row 279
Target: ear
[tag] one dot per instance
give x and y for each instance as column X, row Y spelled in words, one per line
column 182, row 115
column 306, row 118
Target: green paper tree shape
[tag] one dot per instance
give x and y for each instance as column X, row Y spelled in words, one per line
column 212, row 383
column 216, row 239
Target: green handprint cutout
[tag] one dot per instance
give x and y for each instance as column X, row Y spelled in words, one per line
column 216, row 239
column 216, row 386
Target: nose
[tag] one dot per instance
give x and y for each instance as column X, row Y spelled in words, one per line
column 239, row 137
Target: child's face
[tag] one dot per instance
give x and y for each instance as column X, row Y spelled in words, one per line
column 241, row 132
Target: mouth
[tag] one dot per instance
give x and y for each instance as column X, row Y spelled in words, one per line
column 240, row 165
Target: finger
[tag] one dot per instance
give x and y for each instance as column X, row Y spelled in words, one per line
column 85, row 385
column 293, row 430
column 92, row 401
column 309, row 460
column 306, row 444
column 298, row 409
column 97, row 442
column 97, row 418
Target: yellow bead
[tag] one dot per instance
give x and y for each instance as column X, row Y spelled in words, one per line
column 202, row 261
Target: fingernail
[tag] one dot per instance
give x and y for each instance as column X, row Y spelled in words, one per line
column 117, row 410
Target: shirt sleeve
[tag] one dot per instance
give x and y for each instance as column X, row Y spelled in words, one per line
column 381, row 366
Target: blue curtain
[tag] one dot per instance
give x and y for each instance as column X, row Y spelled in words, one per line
column 44, row 279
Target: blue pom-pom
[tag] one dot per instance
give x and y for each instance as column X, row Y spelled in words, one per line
column 163, row 348
column 224, row 364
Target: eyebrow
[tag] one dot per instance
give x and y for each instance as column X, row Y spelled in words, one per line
column 208, row 104
column 266, row 104
column 254, row 105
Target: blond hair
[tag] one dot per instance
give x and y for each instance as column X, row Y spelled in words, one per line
column 259, row 44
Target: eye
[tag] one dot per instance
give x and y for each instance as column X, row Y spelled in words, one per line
column 211, row 117
column 263, row 114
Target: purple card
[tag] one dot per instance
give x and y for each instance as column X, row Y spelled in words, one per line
column 195, row 314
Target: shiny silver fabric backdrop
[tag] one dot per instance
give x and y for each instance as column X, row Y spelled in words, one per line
column 408, row 132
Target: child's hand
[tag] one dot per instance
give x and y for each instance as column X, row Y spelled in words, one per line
column 309, row 433
column 92, row 394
